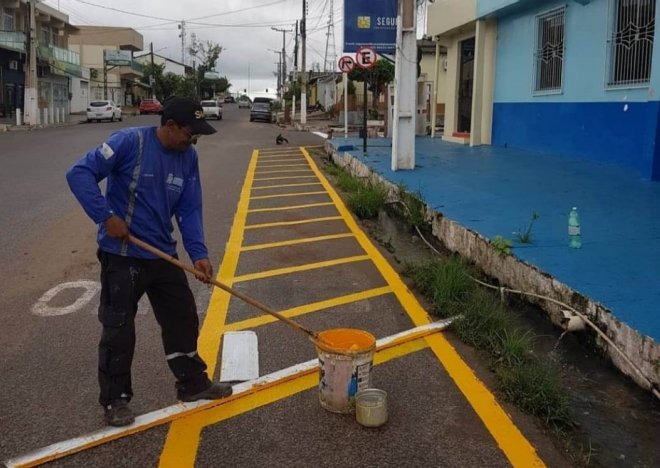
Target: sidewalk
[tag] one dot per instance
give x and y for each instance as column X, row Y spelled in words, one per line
column 489, row 191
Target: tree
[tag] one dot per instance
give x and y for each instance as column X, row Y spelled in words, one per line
column 157, row 72
column 206, row 54
column 377, row 78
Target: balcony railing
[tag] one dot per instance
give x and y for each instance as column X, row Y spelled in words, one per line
column 62, row 61
column 13, row 40
column 135, row 68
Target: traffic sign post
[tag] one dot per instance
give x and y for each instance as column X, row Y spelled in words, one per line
column 346, row 64
column 365, row 58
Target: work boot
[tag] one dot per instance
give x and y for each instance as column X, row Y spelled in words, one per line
column 118, row 413
column 212, row 392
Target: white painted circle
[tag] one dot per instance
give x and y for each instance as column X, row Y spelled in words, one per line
column 42, row 309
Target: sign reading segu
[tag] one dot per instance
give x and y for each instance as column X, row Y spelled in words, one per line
column 370, row 23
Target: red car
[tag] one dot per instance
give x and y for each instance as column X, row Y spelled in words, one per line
column 150, row 106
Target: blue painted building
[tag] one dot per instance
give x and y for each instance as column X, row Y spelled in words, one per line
column 579, row 78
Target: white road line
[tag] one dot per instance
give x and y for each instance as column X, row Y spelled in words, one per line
column 42, row 308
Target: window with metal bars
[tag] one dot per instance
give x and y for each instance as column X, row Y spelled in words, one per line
column 631, row 42
column 549, row 56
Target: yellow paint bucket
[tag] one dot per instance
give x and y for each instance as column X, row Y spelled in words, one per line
column 345, row 361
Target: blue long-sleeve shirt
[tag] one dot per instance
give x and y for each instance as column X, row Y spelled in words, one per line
column 166, row 184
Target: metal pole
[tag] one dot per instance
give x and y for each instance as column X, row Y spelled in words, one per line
column 152, row 81
column 303, row 86
column 345, row 80
column 364, row 115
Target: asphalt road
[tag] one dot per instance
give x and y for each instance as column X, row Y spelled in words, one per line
column 48, row 364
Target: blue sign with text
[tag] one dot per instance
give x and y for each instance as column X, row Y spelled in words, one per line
column 370, row 23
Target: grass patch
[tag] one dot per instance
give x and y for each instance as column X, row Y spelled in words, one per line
column 347, row 182
column 531, row 383
column 367, row 200
column 444, row 283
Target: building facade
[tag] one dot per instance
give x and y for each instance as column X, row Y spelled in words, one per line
column 56, row 65
column 578, row 78
column 106, row 81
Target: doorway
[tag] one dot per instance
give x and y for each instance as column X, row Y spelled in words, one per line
column 465, row 85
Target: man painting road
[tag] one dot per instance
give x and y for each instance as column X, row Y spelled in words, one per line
column 152, row 174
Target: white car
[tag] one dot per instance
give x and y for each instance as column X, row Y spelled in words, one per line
column 212, row 109
column 103, row 110
column 244, row 101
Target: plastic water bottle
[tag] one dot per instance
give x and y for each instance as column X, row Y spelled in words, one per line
column 575, row 240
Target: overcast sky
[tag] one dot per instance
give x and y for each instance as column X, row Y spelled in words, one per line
column 241, row 27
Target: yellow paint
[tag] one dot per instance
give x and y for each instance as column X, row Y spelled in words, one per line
column 181, row 436
column 286, row 208
column 296, row 159
column 286, row 388
column 292, row 223
column 282, row 172
column 511, row 441
column 284, row 195
column 305, row 240
column 346, row 341
column 259, row 166
column 281, row 178
column 264, row 187
column 299, row 268
column 309, row 308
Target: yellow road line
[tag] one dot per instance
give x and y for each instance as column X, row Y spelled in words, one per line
column 282, row 195
column 298, row 268
column 259, row 166
column 280, row 178
column 286, row 208
column 182, row 435
column 304, row 381
column 309, row 308
column 293, row 223
column 264, row 187
column 275, row 154
column 272, row 160
column 306, row 240
column 283, row 172
column 511, row 441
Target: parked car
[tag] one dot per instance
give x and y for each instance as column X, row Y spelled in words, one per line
column 150, row 106
column 230, row 100
column 103, row 110
column 261, row 111
column 212, row 108
column 244, row 101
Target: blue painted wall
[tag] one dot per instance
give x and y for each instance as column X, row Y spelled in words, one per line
column 587, row 119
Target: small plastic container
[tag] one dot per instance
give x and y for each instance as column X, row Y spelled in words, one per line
column 371, row 407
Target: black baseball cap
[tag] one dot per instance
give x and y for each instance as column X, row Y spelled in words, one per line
column 187, row 112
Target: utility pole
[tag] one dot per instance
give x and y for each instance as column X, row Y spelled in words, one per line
column 332, row 60
column 280, row 78
column 405, row 94
column 31, row 110
column 182, row 35
column 303, row 87
column 283, row 57
column 152, row 78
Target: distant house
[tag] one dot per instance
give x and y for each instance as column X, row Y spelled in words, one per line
column 577, row 78
column 170, row 66
column 118, row 83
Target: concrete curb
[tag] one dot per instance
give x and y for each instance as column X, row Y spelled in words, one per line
column 642, row 350
column 29, row 128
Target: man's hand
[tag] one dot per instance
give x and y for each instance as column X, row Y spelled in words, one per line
column 117, row 228
column 204, row 266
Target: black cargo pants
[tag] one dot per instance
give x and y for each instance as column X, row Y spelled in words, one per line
column 124, row 280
